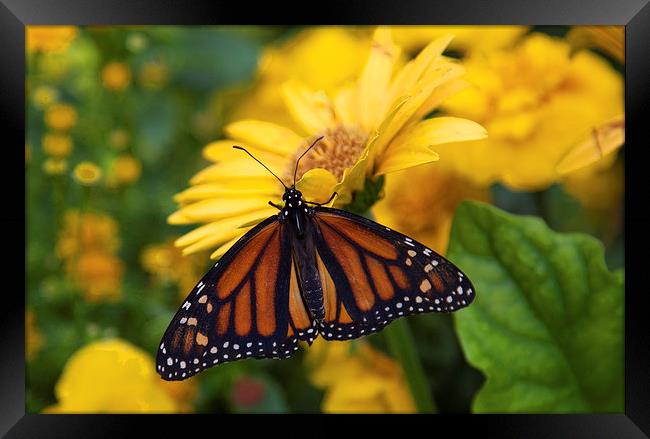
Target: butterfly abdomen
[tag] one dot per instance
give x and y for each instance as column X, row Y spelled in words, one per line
column 310, row 282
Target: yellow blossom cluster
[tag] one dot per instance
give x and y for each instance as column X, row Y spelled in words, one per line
column 87, row 245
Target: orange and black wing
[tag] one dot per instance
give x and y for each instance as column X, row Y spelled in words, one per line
column 239, row 309
column 372, row 275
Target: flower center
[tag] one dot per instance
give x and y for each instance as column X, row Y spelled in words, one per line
column 338, row 151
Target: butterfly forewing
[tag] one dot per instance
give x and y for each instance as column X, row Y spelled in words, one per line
column 372, row 275
column 243, row 307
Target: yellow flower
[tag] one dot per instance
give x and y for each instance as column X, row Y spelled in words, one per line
column 153, row 74
column 52, row 39
column 126, row 169
column 421, row 203
column 87, row 173
column 61, row 117
column 98, row 274
column 609, row 39
column 86, row 232
column 536, row 101
column 33, row 336
column 363, row 381
column 111, row 376
column 116, row 76
column 323, row 58
column 44, row 96
column 467, row 38
column 57, row 145
column 54, row 166
column 166, row 263
column 372, row 127
column 119, row 139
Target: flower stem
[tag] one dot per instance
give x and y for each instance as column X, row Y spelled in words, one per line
column 400, row 341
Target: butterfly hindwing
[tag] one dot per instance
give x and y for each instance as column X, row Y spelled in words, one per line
column 239, row 309
column 372, row 275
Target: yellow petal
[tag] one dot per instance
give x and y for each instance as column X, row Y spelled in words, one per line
column 438, row 130
column 346, row 106
column 603, row 140
column 406, row 156
column 220, row 227
column 372, row 141
column 441, row 93
column 375, row 78
column 411, row 148
column 265, row 135
column 222, row 150
column 430, row 81
column 317, row 185
column 312, row 110
column 258, row 219
column 412, row 72
column 218, row 253
column 215, row 190
column 243, row 168
column 210, row 210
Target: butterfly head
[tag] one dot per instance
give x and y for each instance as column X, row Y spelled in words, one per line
column 292, row 195
column 293, row 203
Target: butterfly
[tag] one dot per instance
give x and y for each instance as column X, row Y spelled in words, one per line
column 309, row 270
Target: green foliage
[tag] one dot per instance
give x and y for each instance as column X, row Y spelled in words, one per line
column 547, row 325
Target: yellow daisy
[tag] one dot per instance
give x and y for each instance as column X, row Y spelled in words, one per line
column 372, row 127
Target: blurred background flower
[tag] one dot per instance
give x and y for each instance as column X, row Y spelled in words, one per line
column 524, row 97
column 49, row 38
column 33, row 336
column 116, row 76
column 358, row 379
column 466, row 38
column 61, row 117
column 120, row 119
column 122, row 379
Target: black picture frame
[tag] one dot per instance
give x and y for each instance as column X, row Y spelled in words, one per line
column 634, row 14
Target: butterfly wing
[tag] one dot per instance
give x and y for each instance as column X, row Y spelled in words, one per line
column 243, row 307
column 372, row 275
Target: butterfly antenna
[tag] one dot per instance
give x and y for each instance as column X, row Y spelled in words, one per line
column 253, row 157
column 295, row 172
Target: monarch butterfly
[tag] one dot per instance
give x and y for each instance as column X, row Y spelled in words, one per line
column 306, row 271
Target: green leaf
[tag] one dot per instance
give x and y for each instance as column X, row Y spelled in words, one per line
column 546, row 327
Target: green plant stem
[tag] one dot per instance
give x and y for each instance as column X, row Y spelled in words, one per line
column 400, row 341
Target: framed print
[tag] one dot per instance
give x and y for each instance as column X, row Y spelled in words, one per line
column 380, row 209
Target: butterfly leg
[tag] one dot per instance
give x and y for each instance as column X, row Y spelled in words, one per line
column 275, row 205
column 322, row 204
